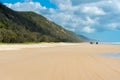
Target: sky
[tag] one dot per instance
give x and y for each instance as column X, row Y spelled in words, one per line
column 96, row 19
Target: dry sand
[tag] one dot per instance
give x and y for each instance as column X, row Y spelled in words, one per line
column 59, row 62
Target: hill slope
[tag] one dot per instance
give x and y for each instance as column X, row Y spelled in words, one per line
column 17, row 27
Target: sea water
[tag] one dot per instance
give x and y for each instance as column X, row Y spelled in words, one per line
column 117, row 55
column 112, row 43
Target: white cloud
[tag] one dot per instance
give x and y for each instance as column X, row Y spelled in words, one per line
column 78, row 2
column 115, row 4
column 89, row 21
column 26, row 6
column 93, row 10
column 88, row 29
column 61, row 1
column 113, row 26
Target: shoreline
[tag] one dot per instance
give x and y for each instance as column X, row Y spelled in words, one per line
column 32, row 45
column 15, row 46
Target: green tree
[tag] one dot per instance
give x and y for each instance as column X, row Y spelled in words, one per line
column 8, row 36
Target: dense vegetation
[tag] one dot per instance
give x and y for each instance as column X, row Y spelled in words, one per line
column 19, row 27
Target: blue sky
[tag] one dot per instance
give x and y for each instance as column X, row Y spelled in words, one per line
column 46, row 3
column 96, row 19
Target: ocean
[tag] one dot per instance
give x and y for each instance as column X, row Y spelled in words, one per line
column 113, row 43
column 117, row 55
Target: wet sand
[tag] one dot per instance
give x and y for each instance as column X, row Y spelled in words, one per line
column 59, row 61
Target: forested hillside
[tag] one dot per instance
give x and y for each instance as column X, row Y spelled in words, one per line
column 19, row 27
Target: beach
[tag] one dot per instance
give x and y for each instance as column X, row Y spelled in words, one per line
column 59, row 61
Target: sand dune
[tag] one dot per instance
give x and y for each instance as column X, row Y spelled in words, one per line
column 59, row 61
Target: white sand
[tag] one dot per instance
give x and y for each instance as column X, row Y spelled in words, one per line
column 5, row 47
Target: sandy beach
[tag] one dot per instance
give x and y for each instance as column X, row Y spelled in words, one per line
column 59, row 61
